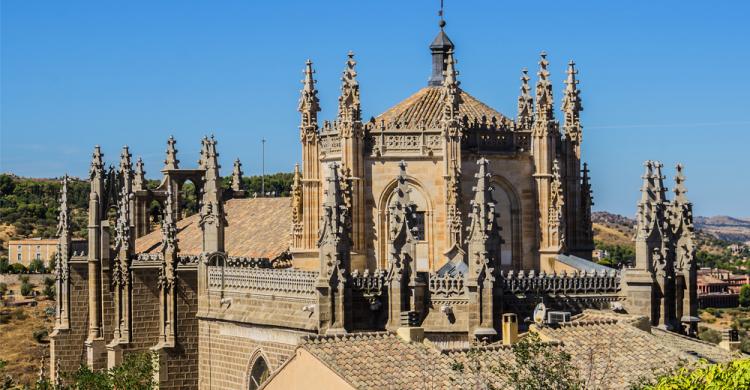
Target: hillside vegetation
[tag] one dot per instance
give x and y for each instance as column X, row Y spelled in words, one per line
column 614, row 233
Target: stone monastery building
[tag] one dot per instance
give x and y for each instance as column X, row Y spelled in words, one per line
column 437, row 223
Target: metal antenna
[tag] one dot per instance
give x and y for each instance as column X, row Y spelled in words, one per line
column 263, row 168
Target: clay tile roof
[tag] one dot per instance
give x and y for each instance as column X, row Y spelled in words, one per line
column 621, row 352
column 256, row 227
column 426, row 106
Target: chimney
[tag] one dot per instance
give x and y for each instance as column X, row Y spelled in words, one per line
column 510, row 328
column 730, row 340
column 409, row 330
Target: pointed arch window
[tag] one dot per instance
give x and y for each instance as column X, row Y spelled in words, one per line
column 259, row 373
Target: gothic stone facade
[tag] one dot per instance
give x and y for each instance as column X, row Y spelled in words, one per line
column 439, row 215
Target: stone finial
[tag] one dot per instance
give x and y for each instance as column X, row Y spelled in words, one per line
column 335, row 212
column 451, row 91
column 349, row 101
column 680, row 192
column 126, row 165
column 571, row 104
column 122, row 225
column 237, row 176
column 97, row 163
column 203, row 153
column 212, row 219
column 139, row 180
column 171, row 162
column 659, row 191
column 525, row 103
column 587, row 201
column 309, row 104
column 544, row 100
column 439, row 47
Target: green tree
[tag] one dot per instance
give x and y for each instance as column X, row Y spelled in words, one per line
column 745, row 295
column 135, row 373
column 49, row 288
column 36, row 266
column 4, row 265
column 732, row 375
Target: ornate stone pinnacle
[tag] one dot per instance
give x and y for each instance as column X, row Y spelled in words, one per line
column 171, row 161
column 571, row 104
column 679, row 188
column 169, row 224
column 349, row 101
column 309, row 105
column 658, row 189
column 64, row 217
column 237, row 175
column 297, row 198
column 525, row 103
column 139, row 180
column 125, row 164
column 544, row 99
column 97, row 162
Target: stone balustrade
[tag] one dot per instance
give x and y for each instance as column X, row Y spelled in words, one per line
column 563, row 283
column 367, row 283
column 265, row 281
column 446, row 286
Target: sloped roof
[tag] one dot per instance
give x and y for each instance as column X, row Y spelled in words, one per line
column 582, row 264
column 426, row 106
column 385, row 361
column 256, row 227
column 622, row 353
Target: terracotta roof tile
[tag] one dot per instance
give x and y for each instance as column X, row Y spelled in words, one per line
column 426, row 107
column 256, row 227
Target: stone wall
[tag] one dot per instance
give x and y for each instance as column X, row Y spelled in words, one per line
column 227, row 351
column 144, row 332
column 182, row 361
column 67, row 346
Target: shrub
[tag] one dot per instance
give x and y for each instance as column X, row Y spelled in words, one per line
column 4, row 265
column 23, row 279
column 710, row 335
column 36, row 266
column 39, row 335
column 20, row 314
column 745, row 295
column 18, row 268
column 27, row 289
column 3, row 288
column 49, row 291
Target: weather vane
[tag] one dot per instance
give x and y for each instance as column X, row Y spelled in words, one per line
column 440, row 13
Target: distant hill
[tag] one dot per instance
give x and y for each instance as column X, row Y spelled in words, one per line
column 725, row 228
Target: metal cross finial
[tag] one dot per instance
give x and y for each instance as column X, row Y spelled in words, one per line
column 440, row 13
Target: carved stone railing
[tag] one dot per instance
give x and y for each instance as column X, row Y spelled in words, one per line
column 187, row 261
column 263, row 281
column 446, row 286
column 422, row 143
column 563, row 283
column 500, row 140
column 330, row 144
column 148, row 259
column 368, row 284
column 248, row 262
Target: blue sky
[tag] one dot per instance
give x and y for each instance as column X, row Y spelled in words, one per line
column 662, row 80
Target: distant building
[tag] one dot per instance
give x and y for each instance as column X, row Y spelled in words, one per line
column 719, row 288
column 27, row 250
column 599, row 254
column 30, row 249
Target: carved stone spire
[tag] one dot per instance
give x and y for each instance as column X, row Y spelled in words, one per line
column 544, row 102
column 334, row 251
column 169, row 225
column 97, row 164
column 139, row 180
column 237, row 176
column 203, row 153
column 451, row 90
column 171, row 162
column 682, row 223
column 405, row 288
column 525, row 117
column 167, row 275
column 211, row 206
column 571, row 105
column 309, row 105
column 483, row 236
column 62, row 257
column 680, row 192
column 349, row 102
column 453, row 201
column 126, row 168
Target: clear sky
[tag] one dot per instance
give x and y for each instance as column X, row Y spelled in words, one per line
column 663, row 80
